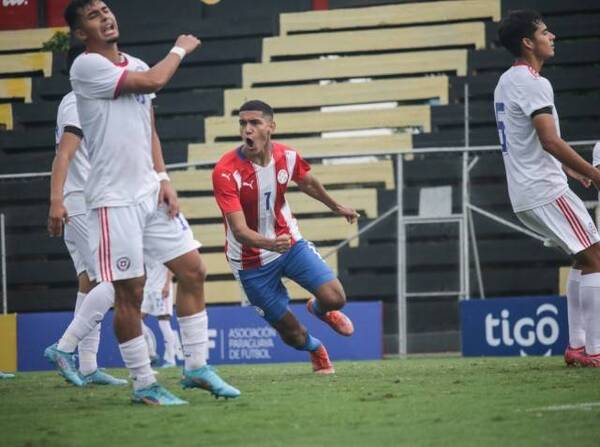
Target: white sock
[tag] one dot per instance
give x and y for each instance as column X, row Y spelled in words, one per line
column 169, row 337
column 88, row 315
column 589, row 291
column 150, row 339
column 178, row 347
column 576, row 324
column 136, row 358
column 88, row 347
column 194, row 339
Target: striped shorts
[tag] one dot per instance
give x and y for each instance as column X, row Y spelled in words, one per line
column 565, row 222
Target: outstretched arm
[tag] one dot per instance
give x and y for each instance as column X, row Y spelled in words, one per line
column 250, row 238
column 67, row 147
column 312, row 186
column 556, row 146
column 154, row 79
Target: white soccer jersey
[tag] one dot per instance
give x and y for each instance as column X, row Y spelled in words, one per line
column 534, row 176
column 79, row 167
column 117, row 129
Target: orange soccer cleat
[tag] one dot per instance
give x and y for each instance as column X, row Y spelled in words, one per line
column 590, row 361
column 320, row 361
column 336, row 319
column 574, row 356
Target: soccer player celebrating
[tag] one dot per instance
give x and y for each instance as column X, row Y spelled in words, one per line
column 263, row 242
column 133, row 208
column 533, row 152
column 70, row 171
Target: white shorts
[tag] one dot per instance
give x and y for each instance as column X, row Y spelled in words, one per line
column 121, row 236
column 77, row 242
column 154, row 304
column 566, row 222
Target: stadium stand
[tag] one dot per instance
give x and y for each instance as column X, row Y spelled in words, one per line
column 415, row 57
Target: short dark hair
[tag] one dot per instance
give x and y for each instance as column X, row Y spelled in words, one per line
column 257, row 105
column 517, row 25
column 72, row 11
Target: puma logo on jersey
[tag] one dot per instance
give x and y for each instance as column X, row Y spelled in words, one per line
column 249, row 184
column 227, row 176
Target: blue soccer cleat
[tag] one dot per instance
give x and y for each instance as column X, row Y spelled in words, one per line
column 100, row 377
column 65, row 364
column 208, row 379
column 6, row 376
column 156, row 394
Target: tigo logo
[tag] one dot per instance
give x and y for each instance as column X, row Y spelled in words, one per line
column 526, row 331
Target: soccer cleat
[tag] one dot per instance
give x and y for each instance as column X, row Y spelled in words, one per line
column 99, row 377
column 6, row 376
column 156, row 394
column 336, row 319
column 320, row 361
column 590, row 361
column 65, row 364
column 574, row 356
column 208, row 379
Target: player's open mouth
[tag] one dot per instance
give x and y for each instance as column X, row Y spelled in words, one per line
column 108, row 29
column 249, row 142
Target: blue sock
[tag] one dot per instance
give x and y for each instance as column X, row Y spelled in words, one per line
column 316, row 308
column 311, row 344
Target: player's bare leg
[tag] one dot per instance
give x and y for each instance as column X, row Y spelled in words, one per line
column 294, row 334
column 190, row 271
column 589, row 292
column 329, row 298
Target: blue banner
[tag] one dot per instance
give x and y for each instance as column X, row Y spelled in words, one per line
column 514, row 326
column 236, row 335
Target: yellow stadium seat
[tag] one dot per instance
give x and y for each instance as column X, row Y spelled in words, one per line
column 388, row 15
column 16, row 88
column 455, row 34
column 27, row 39
column 312, row 122
column 412, row 62
column 314, row 147
column 342, row 93
column 26, row 63
column 6, row 116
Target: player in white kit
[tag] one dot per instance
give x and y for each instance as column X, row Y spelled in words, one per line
column 158, row 302
column 133, row 207
column 67, row 206
column 533, row 151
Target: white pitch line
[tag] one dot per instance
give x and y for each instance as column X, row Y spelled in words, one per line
column 586, row 406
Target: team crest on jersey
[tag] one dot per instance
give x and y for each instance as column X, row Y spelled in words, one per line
column 282, row 176
column 123, row 263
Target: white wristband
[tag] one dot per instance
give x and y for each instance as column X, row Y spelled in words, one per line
column 163, row 176
column 178, row 51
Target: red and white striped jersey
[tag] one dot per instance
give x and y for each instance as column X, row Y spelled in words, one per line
column 258, row 191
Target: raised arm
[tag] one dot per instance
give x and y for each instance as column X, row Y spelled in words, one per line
column 311, row 186
column 154, row 79
column 556, row 146
column 67, row 147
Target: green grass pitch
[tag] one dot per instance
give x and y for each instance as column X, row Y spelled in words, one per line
column 420, row 401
